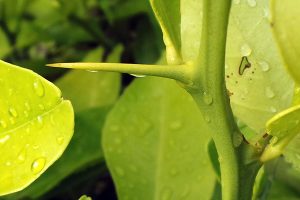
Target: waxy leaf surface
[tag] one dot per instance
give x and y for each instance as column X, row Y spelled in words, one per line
column 284, row 127
column 264, row 88
column 167, row 13
column 285, row 24
column 155, row 142
column 36, row 125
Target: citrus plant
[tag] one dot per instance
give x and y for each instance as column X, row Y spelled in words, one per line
column 226, row 128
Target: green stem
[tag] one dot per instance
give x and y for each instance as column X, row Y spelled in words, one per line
column 211, row 94
column 180, row 73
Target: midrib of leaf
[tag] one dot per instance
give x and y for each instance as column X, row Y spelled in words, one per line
column 33, row 118
column 162, row 118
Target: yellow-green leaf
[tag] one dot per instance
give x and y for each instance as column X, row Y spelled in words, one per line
column 283, row 127
column 168, row 15
column 285, row 24
column 36, row 125
column 263, row 87
column 155, row 142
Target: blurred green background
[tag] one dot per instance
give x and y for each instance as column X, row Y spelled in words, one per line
column 36, row 32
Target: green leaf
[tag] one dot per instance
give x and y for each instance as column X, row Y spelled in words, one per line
column 168, row 15
column 265, row 88
column 191, row 27
column 5, row 47
column 84, row 197
column 36, row 125
column 284, row 127
column 285, row 20
column 99, row 89
column 155, row 143
column 83, row 151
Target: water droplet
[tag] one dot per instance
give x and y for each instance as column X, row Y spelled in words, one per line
column 185, row 192
column 26, row 113
column 12, row 120
column 273, row 109
column 273, row 140
column 39, row 88
column 52, row 120
column 236, row 1
column 38, row 165
column 3, row 124
column 3, row 139
column 264, row 66
column 133, row 168
column 220, row 159
column 8, row 163
column 118, row 140
column 176, row 125
column 41, row 106
column 269, row 92
column 251, row 3
column 237, row 139
column 27, row 106
column 245, row 50
column 13, row 112
column 60, row 140
column 40, row 121
column 114, row 128
column 119, row 171
column 138, row 76
column 22, row 155
column 207, row 119
column 166, row 194
column 207, row 98
column 266, row 13
column 93, row 71
column 174, row 172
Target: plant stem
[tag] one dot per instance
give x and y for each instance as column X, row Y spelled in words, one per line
column 180, row 73
column 211, row 94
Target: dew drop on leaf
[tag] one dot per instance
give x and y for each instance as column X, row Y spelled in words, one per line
column 273, row 140
column 93, row 71
column 207, row 98
column 3, row 139
column 245, row 50
column 22, row 155
column 3, row 124
column 251, row 3
column 119, row 171
column 60, row 140
column 27, row 106
column 40, row 121
column 166, row 194
column 237, row 139
column 118, row 140
column 236, row 1
column 264, row 66
column 39, row 88
column 269, row 92
column 273, row 109
column 175, row 125
column 185, row 192
column 114, row 128
column 38, row 165
column 138, row 76
column 174, row 172
column 13, row 112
